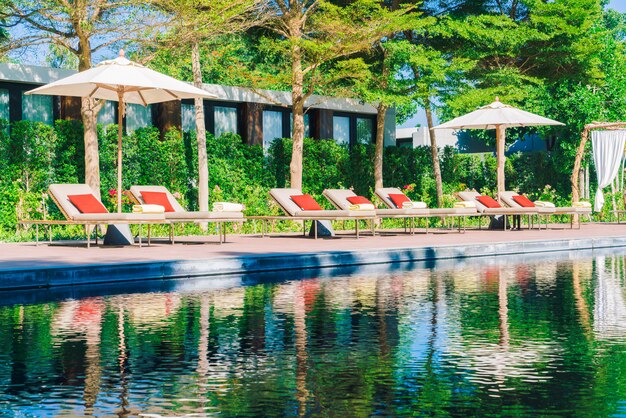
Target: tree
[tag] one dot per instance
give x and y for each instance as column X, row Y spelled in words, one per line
column 387, row 85
column 192, row 24
column 84, row 28
column 316, row 38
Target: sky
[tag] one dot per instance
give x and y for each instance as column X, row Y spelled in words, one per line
column 619, row 5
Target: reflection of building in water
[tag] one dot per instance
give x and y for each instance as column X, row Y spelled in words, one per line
column 609, row 312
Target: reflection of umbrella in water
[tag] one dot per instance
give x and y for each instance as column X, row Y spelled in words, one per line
column 498, row 116
column 123, row 81
column 493, row 363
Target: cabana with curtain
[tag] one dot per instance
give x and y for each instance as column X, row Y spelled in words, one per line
column 608, row 152
column 607, row 140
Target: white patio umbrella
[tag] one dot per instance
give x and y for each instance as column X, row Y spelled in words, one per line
column 498, row 116
column 123, row 81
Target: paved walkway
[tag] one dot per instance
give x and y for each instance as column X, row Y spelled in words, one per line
column 26, row 256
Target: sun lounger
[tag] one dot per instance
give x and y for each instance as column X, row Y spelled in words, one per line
column 472, row 196
column 61, row 195
column 283, row 197
column 175, row 213
column 384, row 194
column 340, row 198
column 508, row 197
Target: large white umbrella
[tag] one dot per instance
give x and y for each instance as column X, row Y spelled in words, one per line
column 123, row 81
column 498, row 116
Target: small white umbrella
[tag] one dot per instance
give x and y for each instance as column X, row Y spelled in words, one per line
column 123, row 81
column 498, row 116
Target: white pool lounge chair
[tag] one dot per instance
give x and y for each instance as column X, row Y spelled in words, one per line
column 459, row 213
column 283, row 197
column 339, row 198
column 60, row 195
column 180, row 215
column 508, row 197
column 472, row 196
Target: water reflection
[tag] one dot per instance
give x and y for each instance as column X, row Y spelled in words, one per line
column 492, row 338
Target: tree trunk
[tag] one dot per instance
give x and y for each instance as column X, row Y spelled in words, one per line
column 89, row 112
column 380, row 145
column 434, row 151
column 577, row 162
column 297, row 97
column 203, row 165
column 500, row 139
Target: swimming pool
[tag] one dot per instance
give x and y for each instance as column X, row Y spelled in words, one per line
column 487, row 337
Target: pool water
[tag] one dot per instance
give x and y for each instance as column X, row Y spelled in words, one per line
column 487, row 337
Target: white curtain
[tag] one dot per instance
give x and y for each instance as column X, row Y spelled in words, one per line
column 608, row 150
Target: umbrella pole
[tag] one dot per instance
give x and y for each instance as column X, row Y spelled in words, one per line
column 500, row 136
column 120, row 116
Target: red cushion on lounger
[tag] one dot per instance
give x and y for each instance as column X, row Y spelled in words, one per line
column 157, row 198
column 87, row 203
column 359, row 200
column 398, row 199
column 523, row 201
column 488, row 201
column 306, row 202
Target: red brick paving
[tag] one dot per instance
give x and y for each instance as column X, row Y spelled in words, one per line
column 22, row 255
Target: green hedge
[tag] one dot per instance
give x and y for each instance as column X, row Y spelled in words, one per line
column 36, row 155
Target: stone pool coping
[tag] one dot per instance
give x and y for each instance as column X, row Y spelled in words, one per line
column 22, row 277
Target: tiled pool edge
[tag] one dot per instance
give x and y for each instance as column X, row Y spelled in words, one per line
column 42, row 277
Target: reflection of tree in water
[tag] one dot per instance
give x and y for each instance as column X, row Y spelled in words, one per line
column 421, row 342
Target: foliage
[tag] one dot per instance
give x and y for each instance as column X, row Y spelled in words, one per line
column 38, row 155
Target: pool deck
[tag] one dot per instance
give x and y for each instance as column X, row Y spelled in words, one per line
column 26, row 265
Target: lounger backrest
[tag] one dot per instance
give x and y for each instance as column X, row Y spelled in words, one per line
column 507, row 198
column 339, row 197
column 384, row 192
column 136, row 192
column 471, row 196
column 282, row 197
column 60, row 193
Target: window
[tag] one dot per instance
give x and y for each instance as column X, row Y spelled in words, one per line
column 106, row 116
column 4, row 104
column 364, row 130
column 272, row 127
column 188, row 117
column 341, row 129
column 37, row 108
column 307, row 125
column 137, row 116
column 225, row 120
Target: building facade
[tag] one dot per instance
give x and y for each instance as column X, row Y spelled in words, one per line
column 257, row 116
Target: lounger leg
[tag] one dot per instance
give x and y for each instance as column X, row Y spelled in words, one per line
column 88, row 236
column 149, row 227
column 315, row 229
column 36, row 234
column 304, row 228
